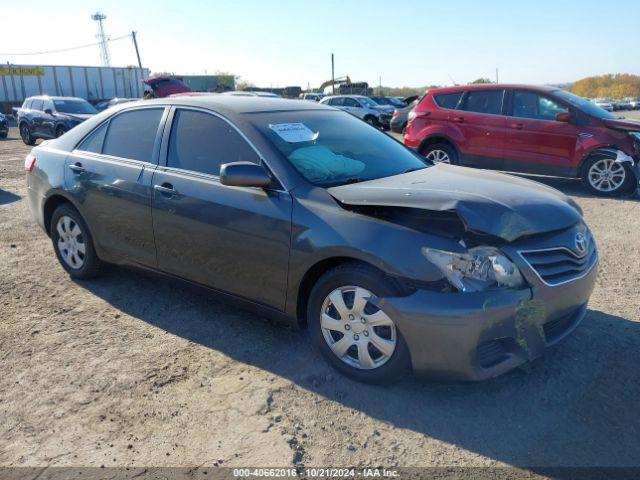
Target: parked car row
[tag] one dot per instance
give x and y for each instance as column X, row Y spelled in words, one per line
column 395, row 263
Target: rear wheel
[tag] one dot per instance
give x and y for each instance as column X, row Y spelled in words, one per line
column 73, row 243
column 603, row 176
column 61, row 130
column 355, row 336
column 441, row 153
column 25, row 134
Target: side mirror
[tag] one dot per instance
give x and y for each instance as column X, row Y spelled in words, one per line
column 244, row 174
column 563, row 117
column 48, row 111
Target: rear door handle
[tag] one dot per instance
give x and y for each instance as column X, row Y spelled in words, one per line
column 166, row 189
column 458, row 119
column 517, row 126
column 77, row 168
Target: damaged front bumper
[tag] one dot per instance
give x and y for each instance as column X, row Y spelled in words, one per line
column 475, row 336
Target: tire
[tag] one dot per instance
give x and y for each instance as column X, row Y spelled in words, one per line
column 371, row 120
column 618, row 178
column 64, row 222
column 4, row 134
column 441, row 153
column 61, row 130
column 374, row 366
column 25, row 134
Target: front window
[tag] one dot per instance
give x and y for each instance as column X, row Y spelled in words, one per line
column 331, row 148
column 585, row 105
column 531, row 105
column 74, row 106
column 367, row 102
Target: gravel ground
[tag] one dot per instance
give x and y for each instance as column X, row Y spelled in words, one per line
column 134, row 369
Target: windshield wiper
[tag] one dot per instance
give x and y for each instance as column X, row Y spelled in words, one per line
column 353, row 180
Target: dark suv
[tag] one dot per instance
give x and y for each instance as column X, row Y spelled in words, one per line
column 540, row 130
column 50, row 117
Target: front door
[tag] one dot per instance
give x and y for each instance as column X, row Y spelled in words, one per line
column 109, row 175
column 234, row 239
column 535, row 141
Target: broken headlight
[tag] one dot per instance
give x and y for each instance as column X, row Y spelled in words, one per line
column 478, row 269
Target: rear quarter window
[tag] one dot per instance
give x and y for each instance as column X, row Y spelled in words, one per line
column 448, row 100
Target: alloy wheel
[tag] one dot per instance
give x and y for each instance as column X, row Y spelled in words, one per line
column 607, row 175
column 25, row 134
column 357, row 332
column 71, row 242
column 438, row 156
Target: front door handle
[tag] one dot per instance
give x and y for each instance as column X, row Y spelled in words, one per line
column 458, row 119
column 517, row 126
column 77, row 168
column 166, row 189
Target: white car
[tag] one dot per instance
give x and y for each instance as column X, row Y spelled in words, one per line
column 604, row 104
column 312, row 97
column 362, row 107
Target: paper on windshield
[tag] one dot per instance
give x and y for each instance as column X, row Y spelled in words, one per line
column 294, row 132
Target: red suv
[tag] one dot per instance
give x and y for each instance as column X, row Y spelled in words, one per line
column 540, row 130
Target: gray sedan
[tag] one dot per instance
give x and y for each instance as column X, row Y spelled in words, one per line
column 317, row 219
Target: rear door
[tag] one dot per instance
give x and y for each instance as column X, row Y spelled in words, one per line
column 235, row 239
column 109, row 174
column 482, row 121
column 535, row 141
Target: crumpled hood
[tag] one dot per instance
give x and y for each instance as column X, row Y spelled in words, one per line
column 384, row 108
column 502, row 205
column 622, row 124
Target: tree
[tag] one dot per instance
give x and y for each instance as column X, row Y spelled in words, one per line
column 480, row 80
column 618, row 85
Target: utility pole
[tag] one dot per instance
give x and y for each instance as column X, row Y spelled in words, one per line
column 135, row 45
column 333, row 78
column 497, row 75
column 380, row 85
column 102, row 38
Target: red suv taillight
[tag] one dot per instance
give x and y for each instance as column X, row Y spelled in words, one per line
column 30, row 162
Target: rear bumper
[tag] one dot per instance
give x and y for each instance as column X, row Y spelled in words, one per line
column 475, row 336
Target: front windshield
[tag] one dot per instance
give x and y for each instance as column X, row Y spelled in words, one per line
column 586, row 106
column 74, row 106
column 332, row 148
column 367, row 102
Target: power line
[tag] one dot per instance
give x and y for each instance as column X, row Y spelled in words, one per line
column 65, row 49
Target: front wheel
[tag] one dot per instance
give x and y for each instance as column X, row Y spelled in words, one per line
column 25, row 134
column 355, row 336
column 73, row 243
column 603, row 176
column 61, row 130
column 373, row 121
column 441, row 153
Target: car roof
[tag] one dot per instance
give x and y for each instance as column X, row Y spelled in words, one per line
column 492, row 86
column 232, row 104
column 48, row 97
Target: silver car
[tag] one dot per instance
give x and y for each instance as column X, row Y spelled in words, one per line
column 363, row 108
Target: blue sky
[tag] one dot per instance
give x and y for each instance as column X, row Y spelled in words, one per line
column 287, row 42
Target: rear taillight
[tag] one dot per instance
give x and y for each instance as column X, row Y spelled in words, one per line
column 413, row 114
column 30, row 162
column 395, row 113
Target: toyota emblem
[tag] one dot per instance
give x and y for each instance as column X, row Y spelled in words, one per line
column 581, row 243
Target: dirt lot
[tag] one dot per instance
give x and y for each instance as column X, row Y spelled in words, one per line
column 134, row 369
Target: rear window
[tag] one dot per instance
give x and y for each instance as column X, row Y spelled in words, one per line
column 448, row 100
column 484, row 101
column 132, row 134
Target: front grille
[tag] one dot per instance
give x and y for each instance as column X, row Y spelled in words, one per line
column 556, row 328
column 491, row 353
column 560, row 265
